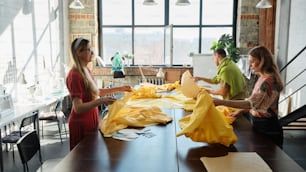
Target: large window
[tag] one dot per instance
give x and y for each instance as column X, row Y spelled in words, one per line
column 128, row 26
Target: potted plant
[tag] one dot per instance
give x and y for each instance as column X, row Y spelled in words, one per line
column 227, row 43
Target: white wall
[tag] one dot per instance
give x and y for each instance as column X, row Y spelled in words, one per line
column 297, row 37
column 291, row 40
column 204, row 66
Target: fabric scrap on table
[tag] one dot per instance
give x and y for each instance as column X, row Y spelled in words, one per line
column 130, row 134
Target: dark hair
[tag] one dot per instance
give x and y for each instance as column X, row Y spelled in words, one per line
column 221, row 52
column 269, row 66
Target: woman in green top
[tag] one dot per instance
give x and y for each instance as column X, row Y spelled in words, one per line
column 229, row 76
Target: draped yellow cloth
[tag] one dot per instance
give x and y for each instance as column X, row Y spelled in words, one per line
column 121, row 116
column 206, row 123
column 142, row 107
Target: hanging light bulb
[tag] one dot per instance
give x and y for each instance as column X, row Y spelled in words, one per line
column 149, row 2
column 76, row 4
column 182, row 2
column 264, row 4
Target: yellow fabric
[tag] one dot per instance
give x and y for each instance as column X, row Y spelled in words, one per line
column 206, row 123
column 166, row 103
column 227, row 111
column 169, row 86
column 145, row 92
column 174, row 99
column 163, row 87
column 121, row 116
column 189, row 105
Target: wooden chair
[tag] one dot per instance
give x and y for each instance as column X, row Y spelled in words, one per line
column 13, row 137
column 28, row 145
column 55, row 115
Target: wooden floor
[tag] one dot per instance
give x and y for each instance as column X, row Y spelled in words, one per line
column 294, row 146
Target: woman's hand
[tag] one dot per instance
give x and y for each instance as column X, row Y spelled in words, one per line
column 126, row 88
column 235, row 113
column 107, row 100
column 195, row 79
column 239, row 112
column 218, row 102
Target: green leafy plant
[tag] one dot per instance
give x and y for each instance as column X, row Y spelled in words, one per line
column 227, row 43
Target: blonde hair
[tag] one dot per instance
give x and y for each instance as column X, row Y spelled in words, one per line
column 90, row 85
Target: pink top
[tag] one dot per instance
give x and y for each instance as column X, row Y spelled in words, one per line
column 265, row 95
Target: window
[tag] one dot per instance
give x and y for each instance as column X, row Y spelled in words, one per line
column 114, row 15
column 217, row 12
column 130, row 27
column 149, row 15
column 184, row 15
column 185, row 40
column 149, row 45
column 211, row 34
column 116, row 39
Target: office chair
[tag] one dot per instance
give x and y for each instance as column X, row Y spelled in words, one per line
column 14, row 136
column 55, row 115
column 28, row 145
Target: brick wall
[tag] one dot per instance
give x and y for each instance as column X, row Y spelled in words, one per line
column 247, row 25
column 84, row 23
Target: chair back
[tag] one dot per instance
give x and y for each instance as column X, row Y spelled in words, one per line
column 58, row 107
column 27, row 146
column 29, row 120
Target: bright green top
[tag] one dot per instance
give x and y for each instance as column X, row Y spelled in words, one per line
column 229, row 73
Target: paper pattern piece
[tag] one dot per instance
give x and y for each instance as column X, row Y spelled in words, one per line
column 236, row 162
column 188, row 86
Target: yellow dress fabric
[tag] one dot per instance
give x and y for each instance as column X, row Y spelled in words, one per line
column 206, row 123
column 227, row 111
column 189, row 105
column 146, row 96
column 121, row 116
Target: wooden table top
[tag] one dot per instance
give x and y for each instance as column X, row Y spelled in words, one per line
column 165, row 152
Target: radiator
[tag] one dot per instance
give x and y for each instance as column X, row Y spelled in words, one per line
column 153, row 80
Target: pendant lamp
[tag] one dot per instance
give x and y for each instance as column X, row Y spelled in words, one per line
column 264, row 4
column 182, row 2
column 149, row 2
column 76, row 4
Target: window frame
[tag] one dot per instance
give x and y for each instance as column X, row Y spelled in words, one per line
column 199, row 26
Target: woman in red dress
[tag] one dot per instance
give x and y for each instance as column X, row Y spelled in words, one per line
column 84, row 93
column 262, row 105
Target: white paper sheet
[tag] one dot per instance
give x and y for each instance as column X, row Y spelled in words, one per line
column 236, row 162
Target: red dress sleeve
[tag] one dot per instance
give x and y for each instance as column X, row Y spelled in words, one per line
column 75, row 85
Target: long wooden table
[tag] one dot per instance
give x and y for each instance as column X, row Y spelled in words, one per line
column 167, row 153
